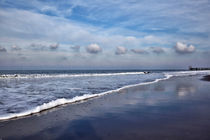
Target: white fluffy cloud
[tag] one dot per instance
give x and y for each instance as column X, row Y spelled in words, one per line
column 93, row 48
column 120, row 50
column 182, row 48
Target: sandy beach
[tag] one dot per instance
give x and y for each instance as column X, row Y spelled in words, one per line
column 175, row 109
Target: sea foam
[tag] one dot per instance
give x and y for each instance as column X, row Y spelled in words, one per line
column 66, row 75
column 63, row 101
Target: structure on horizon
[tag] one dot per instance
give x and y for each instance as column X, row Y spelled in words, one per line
column 196, row 68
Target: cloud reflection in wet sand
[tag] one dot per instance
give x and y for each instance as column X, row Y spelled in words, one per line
column 185, row 89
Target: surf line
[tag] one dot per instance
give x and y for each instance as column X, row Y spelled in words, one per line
column 62, row 101
column 24, row 76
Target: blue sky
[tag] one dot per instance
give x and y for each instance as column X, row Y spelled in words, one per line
column 104, row 34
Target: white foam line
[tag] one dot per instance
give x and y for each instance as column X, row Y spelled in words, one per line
column 66, row 75
column 49, row 105
column 62, row 101
column 188, row 73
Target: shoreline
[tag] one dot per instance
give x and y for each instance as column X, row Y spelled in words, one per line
column 77, row 99
column 164, row 110
column 62, row 101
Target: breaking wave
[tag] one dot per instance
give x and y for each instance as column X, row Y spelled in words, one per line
column 63, row 101
column 66, row 75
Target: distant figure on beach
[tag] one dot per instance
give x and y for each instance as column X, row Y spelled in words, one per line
column 146, row 72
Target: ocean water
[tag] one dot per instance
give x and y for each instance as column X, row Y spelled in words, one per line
column 27, row 92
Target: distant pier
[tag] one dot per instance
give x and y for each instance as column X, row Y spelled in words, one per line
column 197, row 68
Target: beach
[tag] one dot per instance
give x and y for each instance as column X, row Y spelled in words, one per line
column 177, row 108
column 104, row 70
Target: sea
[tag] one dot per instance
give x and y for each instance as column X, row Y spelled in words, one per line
column 26, row 92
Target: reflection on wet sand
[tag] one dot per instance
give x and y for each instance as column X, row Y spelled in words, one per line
column 185, row 89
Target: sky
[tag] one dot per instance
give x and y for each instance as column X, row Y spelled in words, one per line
column 104, row 34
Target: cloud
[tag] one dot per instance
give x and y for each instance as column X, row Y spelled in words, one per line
column 161, row 26
column 43, row 47
column 15, row 48
column 93, row 48
column 54, row 46
column 182, row 48
column 157, row 50
column 139, row 51
column 2, row 49
column 38, row 47
column 57, row 29
column 76, row 48
column 120, row 50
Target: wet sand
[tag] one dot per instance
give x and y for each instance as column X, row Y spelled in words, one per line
column 173, row 109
